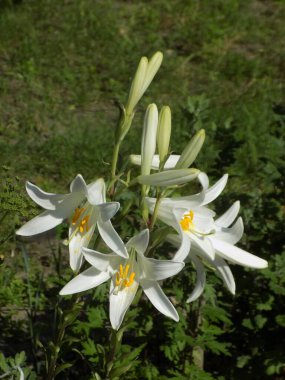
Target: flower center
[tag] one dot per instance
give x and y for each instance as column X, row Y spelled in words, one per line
column 83, row 224
column 122, row 278
column 187, row 221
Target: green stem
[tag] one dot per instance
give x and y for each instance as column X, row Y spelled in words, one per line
column 155, row 211
column 115, row 159
column 66, row 318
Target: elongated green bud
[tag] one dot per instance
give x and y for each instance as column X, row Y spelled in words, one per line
column 143, row 77
column 191, row 150
column 149, row 138
column 164, row 132
column 169, row 177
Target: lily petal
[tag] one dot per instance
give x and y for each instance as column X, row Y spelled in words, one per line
column 139, row 242
column 111, row 238
column 229, row 216
column 78, row 185
column 86, row 280
column 204, row 245
column 80, row 236
column 96, row 192
column 170, row 163
column 184, row 247
column 108, row 210
column 159, row 269
column 237, row 255
column 214, row 191
column 225, row 273
column 101, row 261
column 204, row 180
column 49, row 201
column 120, row 302
column 159, row 300
column 51, row 218
column 231, row 235
column 200, row 280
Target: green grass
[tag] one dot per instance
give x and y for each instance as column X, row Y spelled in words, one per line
column 64, row 65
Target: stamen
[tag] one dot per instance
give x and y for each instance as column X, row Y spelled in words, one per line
column 122, row 280
column 187, row 225
column 187, row 221
column 83, row 224
column 78, row 212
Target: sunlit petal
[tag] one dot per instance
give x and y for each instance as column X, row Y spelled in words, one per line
column 86, row 280
column 159, row 300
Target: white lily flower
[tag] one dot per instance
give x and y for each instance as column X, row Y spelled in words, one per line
column 189, row 216
column 223, row 239
column 143, row 77
column 126, row 275
column 85, row 206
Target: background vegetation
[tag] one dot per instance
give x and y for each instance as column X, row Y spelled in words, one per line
column 64, row 65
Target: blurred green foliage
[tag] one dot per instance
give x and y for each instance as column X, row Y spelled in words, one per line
column 64, row 66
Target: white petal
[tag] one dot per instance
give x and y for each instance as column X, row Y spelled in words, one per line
column 214, row 191
column 78, row 185
column 200, row 280
column 174, row 240
column 159, row 300
column 171, row 161
column 184, row 247
column 225, row 273
column 204, row 245
column 48, row 201
column 86, row 280
column 120, row 302
column 111, row 238
column 204, row 180
column 237, row 255
column 108, row 210
column 230, row 235
column 41, row 223
column 77, row 239
column 229, row 216
column 159, row 269
column 139, row 242
column 96, row 192
column 101, row 261
column 51, row 218
column 169, row 164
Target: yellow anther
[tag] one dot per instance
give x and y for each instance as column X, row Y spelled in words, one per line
column 122, row 280
column 78, row 212
column 126, row 271
column 83, row 224
column 187, row 221
column 131, row 278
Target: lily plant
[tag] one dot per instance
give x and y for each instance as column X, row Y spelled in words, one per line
column 126, row 276
column 84, row 207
